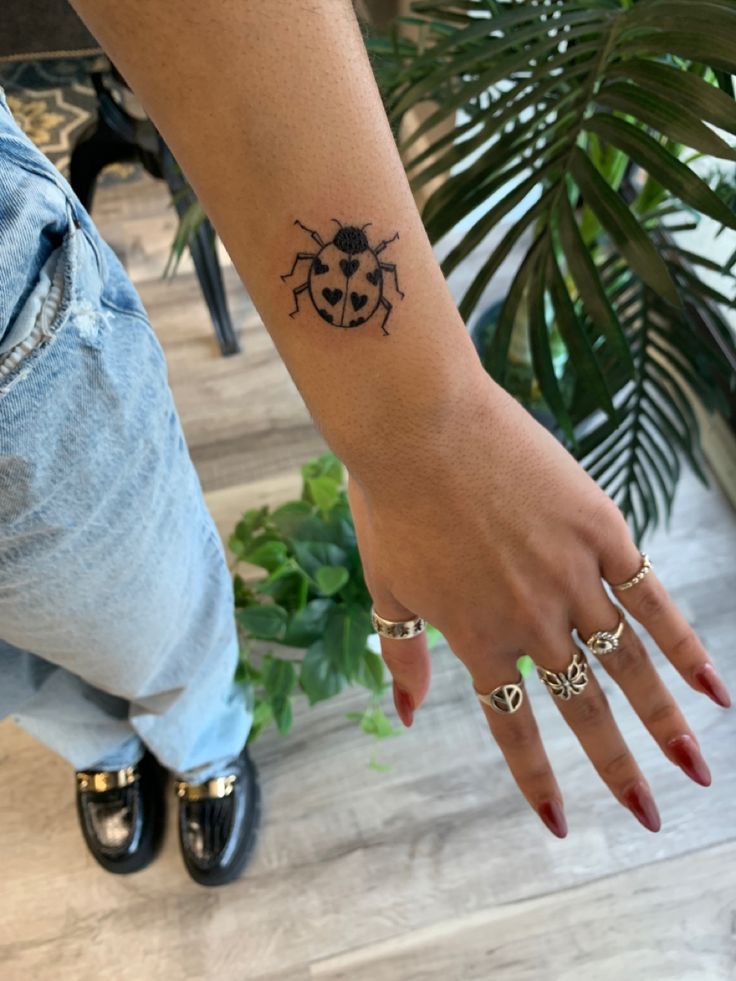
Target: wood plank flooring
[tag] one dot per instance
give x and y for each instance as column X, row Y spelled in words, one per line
column 434, row 870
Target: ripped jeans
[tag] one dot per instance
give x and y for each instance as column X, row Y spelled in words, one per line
column 116, row 608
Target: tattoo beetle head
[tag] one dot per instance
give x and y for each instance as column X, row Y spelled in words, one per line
column 345, row 280
column 351, row 240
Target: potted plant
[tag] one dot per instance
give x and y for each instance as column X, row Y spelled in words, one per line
column 304, row 623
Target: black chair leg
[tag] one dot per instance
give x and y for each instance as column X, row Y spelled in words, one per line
column 204, row 255
column 95, row 149
column 116, row 136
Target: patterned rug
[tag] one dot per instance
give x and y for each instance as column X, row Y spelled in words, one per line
column 53, row 102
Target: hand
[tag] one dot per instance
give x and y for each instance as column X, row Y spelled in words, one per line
column 493, row 533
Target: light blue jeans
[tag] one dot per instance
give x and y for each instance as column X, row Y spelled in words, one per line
column 116, row 606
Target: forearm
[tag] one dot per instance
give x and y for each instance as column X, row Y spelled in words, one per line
column 272, row 111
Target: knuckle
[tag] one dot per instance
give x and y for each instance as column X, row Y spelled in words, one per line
column 537, row 776
column 687, row 647
column 662, row 713
column 631, row 657
column 592, row 710
column 472, row 638
column 650, row 606
column 515, row 735
column 546, row 628
column 616, row 765
column 607, row 520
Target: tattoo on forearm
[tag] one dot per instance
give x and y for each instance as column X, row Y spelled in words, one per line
column 345, row 281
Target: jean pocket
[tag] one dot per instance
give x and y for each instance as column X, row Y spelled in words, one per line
column 43, row 314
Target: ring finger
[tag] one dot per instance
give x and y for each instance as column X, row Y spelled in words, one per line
column 514, row 728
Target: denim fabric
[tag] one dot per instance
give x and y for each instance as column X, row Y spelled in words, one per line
column 116, row 607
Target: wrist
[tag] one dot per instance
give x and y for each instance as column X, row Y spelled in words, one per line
column 413, row 432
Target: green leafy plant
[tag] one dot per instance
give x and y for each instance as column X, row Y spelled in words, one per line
column 305, row 623
column 575, row 123
column 311, row 605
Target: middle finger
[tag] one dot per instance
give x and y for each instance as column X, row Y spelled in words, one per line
column 584, row 706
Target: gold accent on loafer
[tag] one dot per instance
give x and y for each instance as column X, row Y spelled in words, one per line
column 101, row 780
column 217, row 787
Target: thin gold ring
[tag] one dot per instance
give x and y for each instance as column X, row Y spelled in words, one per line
column 646, row 565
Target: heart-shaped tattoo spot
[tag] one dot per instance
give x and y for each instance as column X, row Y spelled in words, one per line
column 349, row 266
column 373, row 277
column 358, row 300
column 318, row 267
column 332, row 296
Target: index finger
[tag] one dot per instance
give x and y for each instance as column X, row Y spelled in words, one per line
column 650, row 603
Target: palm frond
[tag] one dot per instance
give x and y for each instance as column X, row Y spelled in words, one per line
column 562, row 102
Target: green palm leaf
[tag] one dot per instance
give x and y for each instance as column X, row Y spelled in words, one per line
column 564, row 103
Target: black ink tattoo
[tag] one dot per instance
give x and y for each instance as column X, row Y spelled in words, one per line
column 352, row 272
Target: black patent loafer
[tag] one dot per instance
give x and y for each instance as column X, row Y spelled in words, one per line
column 122, row 813
column 218, row 822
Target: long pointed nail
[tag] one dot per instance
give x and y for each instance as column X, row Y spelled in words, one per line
column 713, row 685
column 404, row 705
column 686, row 754
column 641, row 804
column 553, row 815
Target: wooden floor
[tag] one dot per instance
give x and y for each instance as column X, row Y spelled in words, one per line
column 434, row 871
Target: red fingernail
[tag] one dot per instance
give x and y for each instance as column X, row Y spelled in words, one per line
column 713, row 685
column 686, row 754
column 404, row 705
column 553, row 815
column 641, row 804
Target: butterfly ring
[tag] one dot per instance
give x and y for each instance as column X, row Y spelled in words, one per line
column 571, row 681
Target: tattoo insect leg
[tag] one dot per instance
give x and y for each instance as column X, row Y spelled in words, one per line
column 299, row 256
column 296, row 292
column 382, row 245
column 391, row 267
column 315, row 235
column 383, row 302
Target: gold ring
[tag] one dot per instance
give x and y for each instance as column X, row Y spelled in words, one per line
column 646, row 565
column 606, row 641
column 397, row 629
column 505, row 699
column 571, row 681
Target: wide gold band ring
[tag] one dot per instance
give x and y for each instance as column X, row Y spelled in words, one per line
column 397, row 629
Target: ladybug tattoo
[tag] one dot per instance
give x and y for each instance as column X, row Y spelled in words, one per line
column 345, row 280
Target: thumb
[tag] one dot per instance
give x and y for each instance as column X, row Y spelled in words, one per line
column 407, row 660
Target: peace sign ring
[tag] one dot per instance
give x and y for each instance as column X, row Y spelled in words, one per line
column 505, row 699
